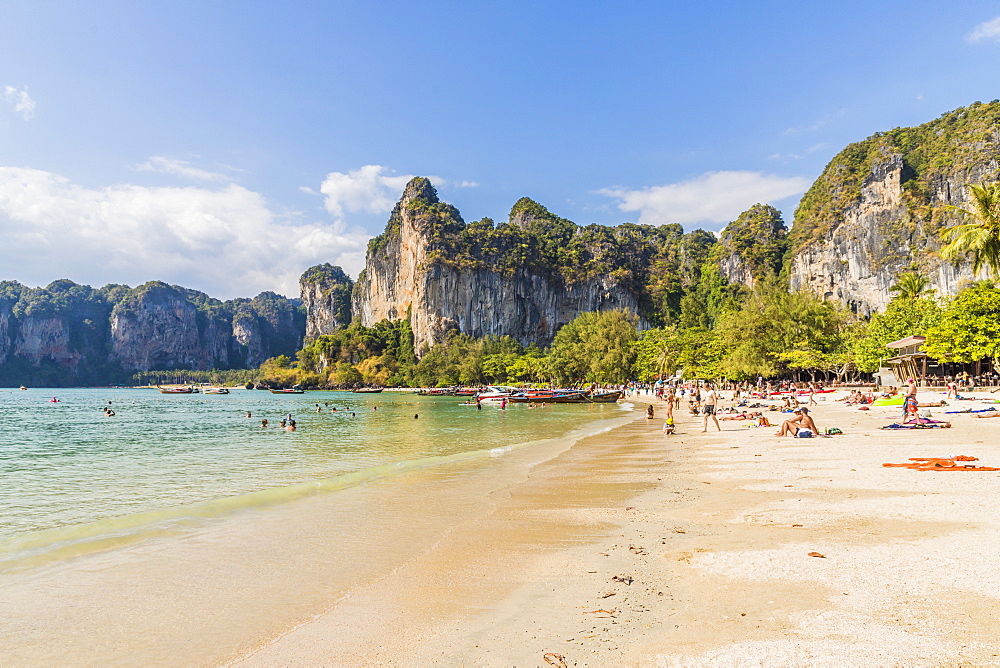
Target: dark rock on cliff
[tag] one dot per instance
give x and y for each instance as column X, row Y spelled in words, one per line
column 69, row 334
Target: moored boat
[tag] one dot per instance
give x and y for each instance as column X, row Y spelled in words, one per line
column 605, row 397
column 288, row 390
column 215, row 390
column 367, row 390
column 176, row 390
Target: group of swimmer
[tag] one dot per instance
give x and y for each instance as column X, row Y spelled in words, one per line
column 289, row 424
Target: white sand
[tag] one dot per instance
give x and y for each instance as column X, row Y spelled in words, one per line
column 637, row 549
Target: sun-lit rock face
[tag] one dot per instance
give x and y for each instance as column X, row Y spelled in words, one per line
column 326, row 295
column 879, row 206
column 429, row 266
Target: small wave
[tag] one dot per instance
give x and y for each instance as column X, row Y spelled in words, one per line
column 53, row 545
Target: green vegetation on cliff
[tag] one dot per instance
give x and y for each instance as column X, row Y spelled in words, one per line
column 956, row 144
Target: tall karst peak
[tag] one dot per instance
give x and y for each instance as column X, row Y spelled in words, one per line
column 753, row 245
column 420, row 187
column 527, row 211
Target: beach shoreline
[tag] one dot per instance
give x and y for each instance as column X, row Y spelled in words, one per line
column 633, row 548
column 622, row 547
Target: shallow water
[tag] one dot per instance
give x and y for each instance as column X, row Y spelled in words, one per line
column 72, row 475
column 179, row 533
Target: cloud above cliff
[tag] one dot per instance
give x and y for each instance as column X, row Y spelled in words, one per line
column 181, row 168
column 713, row 197
column 988, row 30
column 372, row 189
column 225, row 241
column 20, row 101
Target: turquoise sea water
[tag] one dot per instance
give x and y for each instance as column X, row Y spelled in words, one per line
column 70, row 474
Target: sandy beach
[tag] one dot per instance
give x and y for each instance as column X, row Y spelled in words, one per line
column 720, row 548
column 623, row 548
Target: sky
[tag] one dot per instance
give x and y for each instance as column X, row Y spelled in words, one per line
column 228, row 146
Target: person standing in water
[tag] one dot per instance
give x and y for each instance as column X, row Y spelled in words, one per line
column 708, row 408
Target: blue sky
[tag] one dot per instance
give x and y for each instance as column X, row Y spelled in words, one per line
column 227, row 146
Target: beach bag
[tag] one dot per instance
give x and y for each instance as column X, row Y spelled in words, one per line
column 833, row 431
column 804, row 433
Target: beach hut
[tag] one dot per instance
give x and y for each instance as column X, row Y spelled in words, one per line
column 909, row 361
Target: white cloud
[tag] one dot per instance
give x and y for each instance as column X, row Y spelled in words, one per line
column 224, row 241
column 986, row 30
column 20, row 100
column 372, row 189
column 713, row 197
column 182, row 168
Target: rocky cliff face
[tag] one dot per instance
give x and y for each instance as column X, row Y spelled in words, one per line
column 326, row 295
column 428, row 266
column 73, row 334
column 45, row 338
column 878, row 208
column 752, row 246
column 158, row 329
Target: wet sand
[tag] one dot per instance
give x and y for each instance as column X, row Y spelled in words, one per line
column 632, row 548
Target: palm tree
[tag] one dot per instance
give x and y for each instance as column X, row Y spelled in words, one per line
column 911, row 285
column 980, row 238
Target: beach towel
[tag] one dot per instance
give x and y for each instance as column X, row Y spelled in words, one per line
column 942, row 464
column 969, row 410
column 890, row 401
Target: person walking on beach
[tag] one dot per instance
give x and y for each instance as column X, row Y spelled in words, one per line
column 812, row 394
column 708, row 408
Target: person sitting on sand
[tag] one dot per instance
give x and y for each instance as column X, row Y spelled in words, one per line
column 649, row 412
column 802, row 420
column 668, row 426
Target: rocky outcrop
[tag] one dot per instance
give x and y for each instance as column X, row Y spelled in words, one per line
column 752, row 246
column 879, row 206
column 326, row 295
column 73, row 334
column 45, row 338
column 157, row 328
column 419, row 269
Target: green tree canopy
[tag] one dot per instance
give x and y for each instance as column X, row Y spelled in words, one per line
column 595, row 347
column 979, row 238
column 969, row 327
column 903, row 317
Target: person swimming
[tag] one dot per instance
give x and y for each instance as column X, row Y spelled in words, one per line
column 263, row 423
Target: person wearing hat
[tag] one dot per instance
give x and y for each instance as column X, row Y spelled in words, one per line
column 801, row 421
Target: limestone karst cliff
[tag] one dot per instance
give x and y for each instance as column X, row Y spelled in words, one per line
column 69, row 334
column 326, row 295
column 524, row 278
column 877, row 208
column 752, row 246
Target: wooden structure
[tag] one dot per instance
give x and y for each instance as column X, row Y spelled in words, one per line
column 909, row 361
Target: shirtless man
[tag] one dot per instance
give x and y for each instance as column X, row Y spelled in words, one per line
column 800, row 421
column 708, row 409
